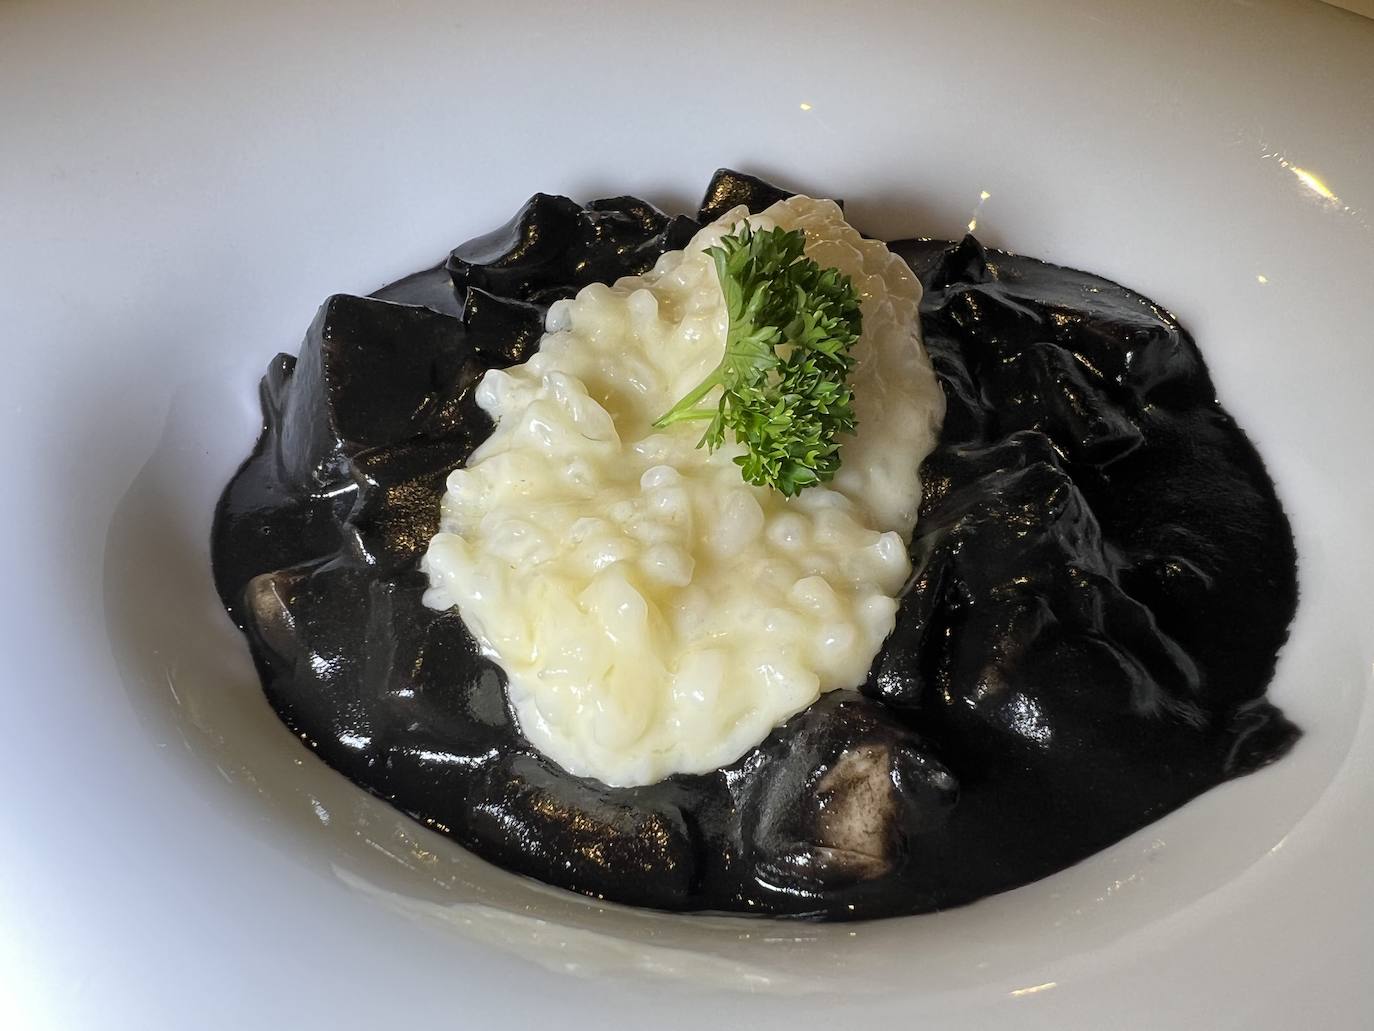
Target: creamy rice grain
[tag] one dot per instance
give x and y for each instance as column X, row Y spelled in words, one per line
column 653, row 612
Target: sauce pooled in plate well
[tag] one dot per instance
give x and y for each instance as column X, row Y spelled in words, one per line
column 1101, row 579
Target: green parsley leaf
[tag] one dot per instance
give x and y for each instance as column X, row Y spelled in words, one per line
column 784, row 392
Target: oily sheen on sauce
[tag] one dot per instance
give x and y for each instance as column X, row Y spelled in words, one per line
column 1103, row 577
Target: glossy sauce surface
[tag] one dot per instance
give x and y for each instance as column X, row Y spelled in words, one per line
column 1103, row 576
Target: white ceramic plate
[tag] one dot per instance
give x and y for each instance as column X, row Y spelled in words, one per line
column 179, row 189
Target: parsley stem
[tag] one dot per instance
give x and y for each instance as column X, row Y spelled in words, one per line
column 686, row 408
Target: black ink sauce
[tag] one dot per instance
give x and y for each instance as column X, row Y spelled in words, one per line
column 1103, row 579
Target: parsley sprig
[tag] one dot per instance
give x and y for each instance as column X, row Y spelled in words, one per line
column 785, row 396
